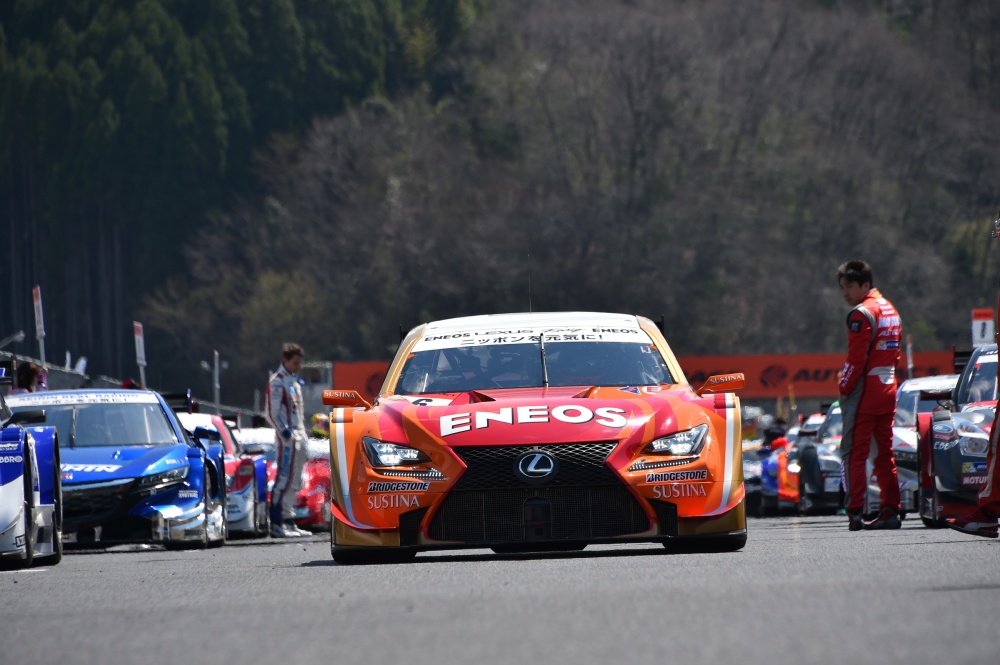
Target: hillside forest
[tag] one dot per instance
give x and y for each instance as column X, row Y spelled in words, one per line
column 239, row 173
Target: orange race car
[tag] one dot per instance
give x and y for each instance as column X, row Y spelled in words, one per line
column 535, row 432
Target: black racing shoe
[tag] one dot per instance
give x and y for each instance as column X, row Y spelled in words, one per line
column 854, row 521
column 887, row 518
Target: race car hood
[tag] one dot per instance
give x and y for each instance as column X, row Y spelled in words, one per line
column 541, row 415
column 103, row 463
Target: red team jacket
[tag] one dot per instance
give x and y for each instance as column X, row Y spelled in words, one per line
column 873, row 351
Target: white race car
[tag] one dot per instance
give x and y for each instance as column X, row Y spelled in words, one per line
column 30, row 490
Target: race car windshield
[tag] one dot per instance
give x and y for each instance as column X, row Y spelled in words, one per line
column 982, row 385
column 488, row 367
column 832, row 426
column 908, row 405
column 131, row 424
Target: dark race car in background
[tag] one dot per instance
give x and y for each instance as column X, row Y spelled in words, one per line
column 804, row 476
column 953, row 440
column 130, row 473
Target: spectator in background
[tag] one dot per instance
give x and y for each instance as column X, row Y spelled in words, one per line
column 29, row 379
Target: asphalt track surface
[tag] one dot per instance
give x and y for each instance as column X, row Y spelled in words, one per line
column 804, row 590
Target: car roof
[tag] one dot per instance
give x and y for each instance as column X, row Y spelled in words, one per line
column 938, row 382
column 530, row 319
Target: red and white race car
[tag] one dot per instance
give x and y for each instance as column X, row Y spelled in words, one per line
column 247, row 487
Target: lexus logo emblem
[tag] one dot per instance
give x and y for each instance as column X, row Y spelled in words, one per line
column 536, row 466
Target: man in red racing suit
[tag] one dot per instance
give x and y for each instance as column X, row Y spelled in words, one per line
column 868, row 395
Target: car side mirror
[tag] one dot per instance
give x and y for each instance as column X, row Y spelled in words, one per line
column 345, row 398
column 721, row 383
column 205, row 433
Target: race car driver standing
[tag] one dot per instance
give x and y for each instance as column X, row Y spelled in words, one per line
column 285, row 411
column 868, row 395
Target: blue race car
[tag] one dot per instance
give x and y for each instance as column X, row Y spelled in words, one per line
column 30, row 491
column 130, row 473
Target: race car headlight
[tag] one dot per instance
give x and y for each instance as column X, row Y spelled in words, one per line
column 391, row 454
column 972, row 440
column 171, row 476
column 687, row 442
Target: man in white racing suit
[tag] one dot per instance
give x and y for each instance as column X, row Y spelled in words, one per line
column 285, row 412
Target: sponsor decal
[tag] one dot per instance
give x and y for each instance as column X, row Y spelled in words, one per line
column 9, row 459
column 568, row 413
column 9, row 446
column 382, row 501
column 943, row 428
column 974, row 467
column 630, row 389
column 245, row 471
column 672, row 476
column 974, row 480
column 402, row 486
column 18, row 541
column 889, row 322
column 855, row 326
column 679, row 491
column 530, row 335
column 652, row 390
column 884, row 344
column 43, row 398
column 715, row 380
column 99, row 468
column 187, row 494
column 67, row 476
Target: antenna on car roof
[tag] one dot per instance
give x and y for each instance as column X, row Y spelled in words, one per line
column 529, row 282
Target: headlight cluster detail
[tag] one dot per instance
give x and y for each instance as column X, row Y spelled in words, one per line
column 972, row 440
column 147, row 485
column 382, row 454
column 686, row 442
column 171, row 476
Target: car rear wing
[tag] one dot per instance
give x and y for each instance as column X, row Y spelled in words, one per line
column 183, row 402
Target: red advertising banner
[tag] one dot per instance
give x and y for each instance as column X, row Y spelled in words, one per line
column 808, row 374
column 767, row 376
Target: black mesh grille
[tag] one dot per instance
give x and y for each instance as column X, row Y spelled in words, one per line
column 94, row 505
column 493, row 467
column 491, row 503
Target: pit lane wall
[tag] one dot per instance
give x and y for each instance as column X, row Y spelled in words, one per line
column 768, row 376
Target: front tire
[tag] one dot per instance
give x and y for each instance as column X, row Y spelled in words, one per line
column 29, row 517
column 57, row 537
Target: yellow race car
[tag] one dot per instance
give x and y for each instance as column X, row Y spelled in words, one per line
column 535, row 432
